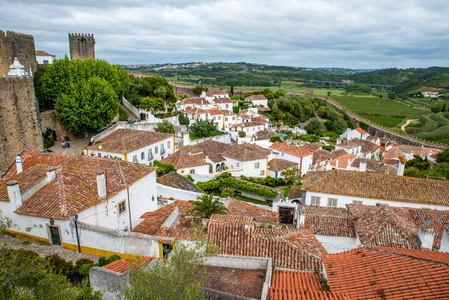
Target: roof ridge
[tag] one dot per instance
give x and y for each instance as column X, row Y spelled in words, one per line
column 61, row 194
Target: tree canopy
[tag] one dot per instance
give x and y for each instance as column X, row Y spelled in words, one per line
column 203, row 128
column 85, row 93
column 206, row 206
column 165, row 127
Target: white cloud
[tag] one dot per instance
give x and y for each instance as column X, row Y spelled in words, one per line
column 347, row 33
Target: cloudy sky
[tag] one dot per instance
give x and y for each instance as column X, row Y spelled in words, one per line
column 302, row 33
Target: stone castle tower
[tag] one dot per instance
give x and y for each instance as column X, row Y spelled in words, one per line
column 14, row 44
column 19, row 120
column 81, row 46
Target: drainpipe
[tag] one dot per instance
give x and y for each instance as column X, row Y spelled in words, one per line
column 75, row 218
column 129, row 211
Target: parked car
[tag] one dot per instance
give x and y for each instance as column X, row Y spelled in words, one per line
column 101, row 129
column 131, row 121
column 48, row 150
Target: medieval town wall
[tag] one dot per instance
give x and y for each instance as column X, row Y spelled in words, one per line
column 14, row 44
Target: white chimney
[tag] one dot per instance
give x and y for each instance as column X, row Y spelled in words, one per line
column 101, row 184
column 51, row 173
column 362, row 167
column 444, row 246
column 401, row 168
column 426, row 236
column 14, row 194
column 186, row 138
column 19, row 165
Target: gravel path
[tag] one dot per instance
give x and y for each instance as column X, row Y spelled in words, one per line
column 408, row 122
column 43, row 250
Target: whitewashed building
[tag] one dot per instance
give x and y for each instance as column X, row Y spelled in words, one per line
column 357, row 133
column 258, row 100
column 247, row 159
column 44, row 58
column 303, row 158
column 138, row 146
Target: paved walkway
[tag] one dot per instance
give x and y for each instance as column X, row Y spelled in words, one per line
column 76, row 147
column 43, row 250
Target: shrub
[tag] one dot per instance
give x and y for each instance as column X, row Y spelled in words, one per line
column 122, row 114
column 242, row 134
column 227, row 192
column 275, row 139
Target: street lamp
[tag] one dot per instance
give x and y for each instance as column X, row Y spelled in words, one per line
column 75, row 218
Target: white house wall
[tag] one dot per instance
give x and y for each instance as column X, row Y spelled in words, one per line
column 343, row 200
column 170, row 192
column 247, row 167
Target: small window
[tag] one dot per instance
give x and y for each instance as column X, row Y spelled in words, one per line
column 262, row 173
column 150, row 154
column 238, row 165
column 332, row 202
column 256, row 165
column 315, row 201
column 226, row 118
column 99, row 154
column 357, row 202
column 135, row 158
column 168, row 145
column 142, row 155
column 121, row 207
column 156, row 150
column 227, row 105
column 192, row 171
column 233, row 118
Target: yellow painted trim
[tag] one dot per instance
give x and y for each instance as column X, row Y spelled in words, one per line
column 28, row 236
column 98, row 252
column 160, row 250
column 87, row 151
column 266, row 169
column 126, row 157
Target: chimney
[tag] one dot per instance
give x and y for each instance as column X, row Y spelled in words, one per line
column 401, row 169
column 186, row 138
column 444, row 246
column 336, row 164
column 51, row 173
column 101, row 184
column 302, row 217
column 19, row 165
column 14, row 194
column 362, row 167
column 426, row 235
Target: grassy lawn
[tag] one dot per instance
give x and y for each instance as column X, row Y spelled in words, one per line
column 286, row 190
column 383, row 111
column 194, row 137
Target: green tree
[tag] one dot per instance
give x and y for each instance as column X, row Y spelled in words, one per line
column 291, row 174
column 232, row 90
column 163, row 168
column 24, row 275
column 329, row 93
column 5, row 223
column 315, row 124
column 199, row 89
column 203, row 128
column 181, row 276
column 275, row 138
column 88, row 108
column 160, row 92
column 165, row 127
column 280, row 93
column 392, row 95
column 206, row 206
column 443, row 156
column 227, row 192
column 242, row 134
column 340, row 126
column 419, row 163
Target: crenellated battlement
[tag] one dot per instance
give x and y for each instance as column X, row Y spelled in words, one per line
column 20, row 35
column 20, row 45
column 82, row 45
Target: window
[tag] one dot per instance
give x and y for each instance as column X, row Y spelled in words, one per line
column 166, row 249
column 192, row 171
column 315, row 201
column 226, row 118
column 142, row 155
column 99, row 154
column 332, row 202
column 135, row 158
column 121, row 207
column 227, row 105
column 213, row 118
column 162, row 149
column 150, row 154
column 45, row 62
column 168, row 145
column 238, row 165
column 262, row 173
column 357, row 202
column 155, row 150
column 256, row 165
column 233, row 118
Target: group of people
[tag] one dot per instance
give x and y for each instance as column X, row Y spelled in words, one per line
column 65, row 145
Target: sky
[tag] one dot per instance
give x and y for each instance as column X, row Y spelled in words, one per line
column 356, row 34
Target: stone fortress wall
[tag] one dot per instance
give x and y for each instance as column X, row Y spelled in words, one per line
column 14, row 44
column 81, row 46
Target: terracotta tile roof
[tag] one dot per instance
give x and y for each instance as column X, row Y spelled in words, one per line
column 75, row 187
column 29, row 159
column 430, row 255
column 182, row 231
column 277, row 164
column 249, row 124
column 289, row 284
column 256, row 97
column 295, row 192
column 260, row 119
column 178, row 181
column 349, row 144
column 421, row 151
column 257, row 214
column 371, row 164
column 381, row 186
column 214, row 112
column 343, row 161
column 153, row 220
column 395, row 226
column 368, row 147
column 297, row 249
column 361, row 131
column 290, row 149
column 195, row 110
column 223, row 100
column 244, row 116
column 213, row 149
column 228, row 112
column 122, row 266
column 338, row 153
column 26, row 180
column 246, row 152
column 329, row 221
column 184, row 159
column 311, row 177
column 216, row 92
column 386, row 169
column 312, row 147
column 129, row 140
column 264, row 135
column 321, row 155
column 194, row 100
column 373, row 139
column 367, row 273
column 43, row 53
column 394, row 153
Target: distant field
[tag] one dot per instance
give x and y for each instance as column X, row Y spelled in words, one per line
column 381, row 110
